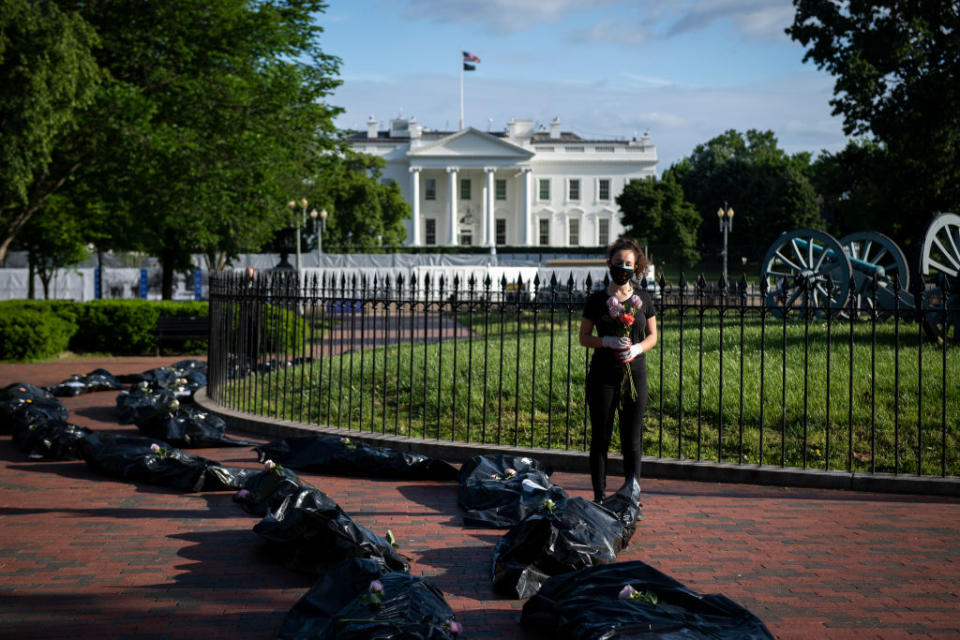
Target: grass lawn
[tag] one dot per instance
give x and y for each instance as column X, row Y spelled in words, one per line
column 794, row 393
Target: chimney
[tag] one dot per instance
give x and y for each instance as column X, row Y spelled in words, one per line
column 555, row 127
column 372, row 128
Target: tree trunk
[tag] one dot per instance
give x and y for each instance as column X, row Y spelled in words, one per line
column 31, row 289
column 166, row 287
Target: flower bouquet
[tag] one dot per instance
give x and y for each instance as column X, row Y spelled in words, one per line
column 625, row 314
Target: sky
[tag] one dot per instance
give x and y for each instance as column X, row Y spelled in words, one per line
column 683, row 70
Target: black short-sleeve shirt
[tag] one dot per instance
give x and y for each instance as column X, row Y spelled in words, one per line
column 604, row 363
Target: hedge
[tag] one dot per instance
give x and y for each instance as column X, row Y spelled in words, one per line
column 36, row 329
column 30, row 334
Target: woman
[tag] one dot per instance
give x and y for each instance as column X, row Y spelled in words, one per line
column 618, row 356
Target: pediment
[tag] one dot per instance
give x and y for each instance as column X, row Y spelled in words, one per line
column 471, row 143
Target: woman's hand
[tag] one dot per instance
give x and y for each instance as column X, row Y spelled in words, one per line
column 613, row 342
column 630, row 353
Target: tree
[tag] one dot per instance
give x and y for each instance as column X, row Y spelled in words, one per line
column 54, row 239
column 49, row 74
column 365, row 213
column 232, row 93
column 768, row 189
column 655, row 212
column 897, row 70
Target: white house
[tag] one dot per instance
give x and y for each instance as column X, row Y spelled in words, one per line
column 517, row 187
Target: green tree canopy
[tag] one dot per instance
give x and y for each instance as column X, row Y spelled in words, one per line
column 897, row 70
column 656, row 212
column 49, row 74
column 768, row 189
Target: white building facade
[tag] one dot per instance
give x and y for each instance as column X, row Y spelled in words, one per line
column 518, row 188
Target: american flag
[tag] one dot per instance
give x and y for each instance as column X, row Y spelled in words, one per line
column 469, row 57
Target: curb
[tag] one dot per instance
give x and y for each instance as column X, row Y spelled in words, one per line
column 578, row 461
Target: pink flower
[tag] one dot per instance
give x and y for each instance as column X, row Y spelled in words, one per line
column 269, row 465
column 155, row 448
column 510, row 472
column 456, row 628
column 376, row 587
column 243, row 493
column 627, row 593
column 636, row 301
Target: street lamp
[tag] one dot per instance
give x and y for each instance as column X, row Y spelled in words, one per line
column 725, row 216
column 320, row 229
column 300, row 219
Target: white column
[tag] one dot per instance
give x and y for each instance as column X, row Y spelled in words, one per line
column 415, row 199
column 527, row 239
column 491, row 225
column 452, row 173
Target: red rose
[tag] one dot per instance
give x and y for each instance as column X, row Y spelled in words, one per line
column 627, row 319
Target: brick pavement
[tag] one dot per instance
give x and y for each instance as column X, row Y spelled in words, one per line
column 85, row 556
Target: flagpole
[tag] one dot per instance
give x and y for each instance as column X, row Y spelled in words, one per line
column 460, row 52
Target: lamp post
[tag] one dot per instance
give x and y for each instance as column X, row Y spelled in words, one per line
column 299, row 220
column 725, row 216
column 321, row 227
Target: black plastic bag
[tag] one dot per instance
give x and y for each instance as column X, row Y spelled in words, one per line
column 563, row 536
column 502, row 490
column 141, row 403
column 634, row 600
column 312, row 534
column 72, row 386
column 625, row 504
column 144, row 460
column 39, row 401
column 159, row 378
column 43, row 438
column 347, row 456
column 264, row 491
column 220, row 478
column 188, row 427
column 355, row 601
column 96, row 380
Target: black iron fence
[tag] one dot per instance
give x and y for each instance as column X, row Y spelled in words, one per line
column 740, row 374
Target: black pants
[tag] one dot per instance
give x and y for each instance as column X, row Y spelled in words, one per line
column 603, row 398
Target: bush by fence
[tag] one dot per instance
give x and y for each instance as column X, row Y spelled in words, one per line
column 121, row 327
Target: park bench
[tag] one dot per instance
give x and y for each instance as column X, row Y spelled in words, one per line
column 181, row 328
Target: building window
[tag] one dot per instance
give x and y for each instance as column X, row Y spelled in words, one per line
column 501, row 231
column 500, row 187
column 430, row 189
column 574, row 238
column 544, row 188
column 431, row 235
column 544, row 232
column 603, row 232
column 574, row 190
column 466, row 237
column 465, row 189
column 603, row 189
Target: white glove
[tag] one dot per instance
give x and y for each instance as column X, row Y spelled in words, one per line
column 629, row 354
column 613, row 342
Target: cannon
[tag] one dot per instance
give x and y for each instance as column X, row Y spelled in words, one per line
column 810, row 269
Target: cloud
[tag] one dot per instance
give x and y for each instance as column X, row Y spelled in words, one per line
column 505, row 16
column 764, row 19
column 755, row 19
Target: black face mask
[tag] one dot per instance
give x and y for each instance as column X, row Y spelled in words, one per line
column 620, row 274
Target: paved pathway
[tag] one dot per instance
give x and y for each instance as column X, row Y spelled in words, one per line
column 83, row 556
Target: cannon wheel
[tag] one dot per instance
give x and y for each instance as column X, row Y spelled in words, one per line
column 881, row 251
column 940, row 259
column 805, row 258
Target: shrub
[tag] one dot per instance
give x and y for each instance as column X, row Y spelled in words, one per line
column 32, row 334
column 126, row 326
